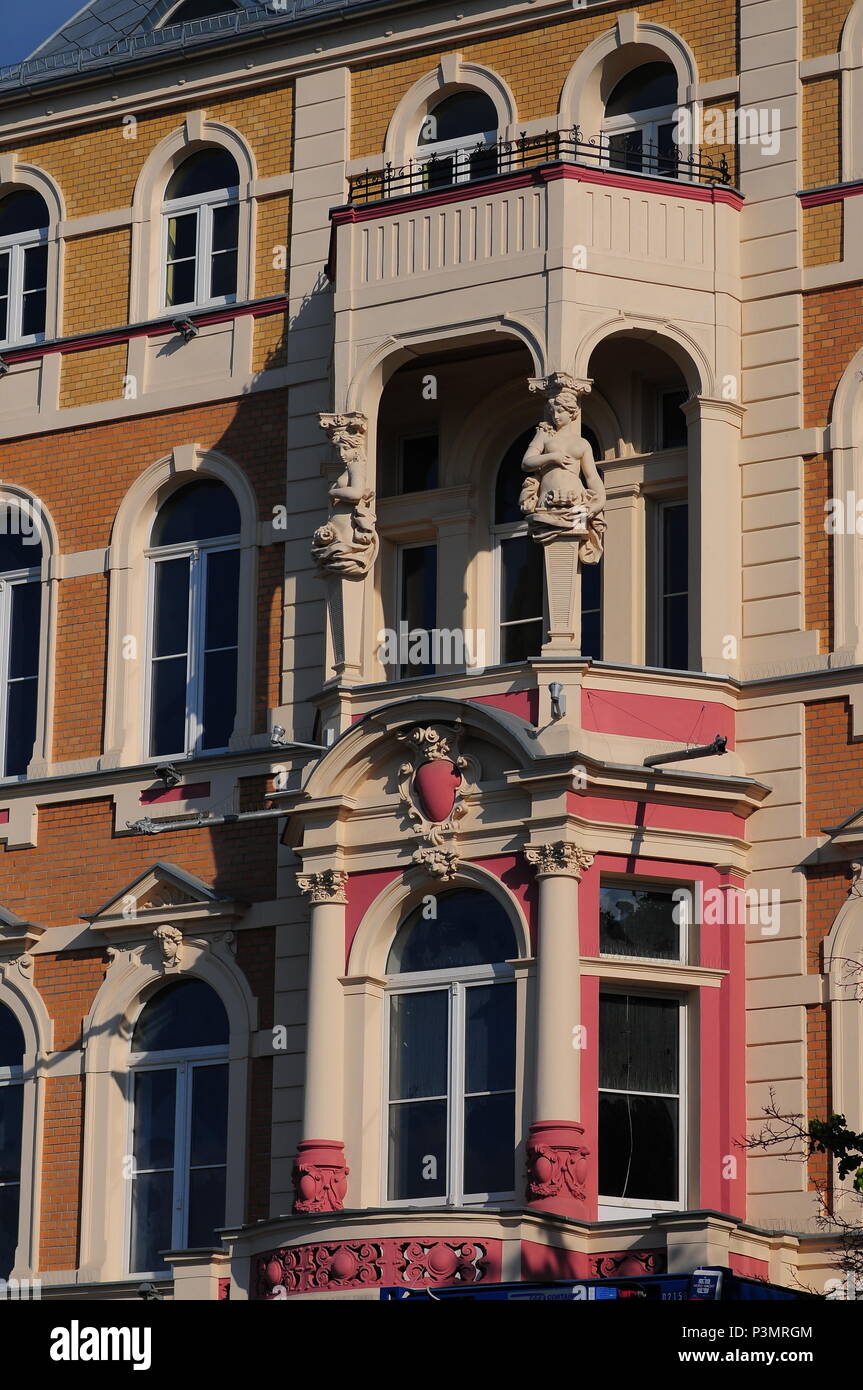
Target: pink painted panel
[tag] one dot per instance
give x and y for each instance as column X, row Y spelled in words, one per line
column 749, row 1267
column 194, row 791
column 4, row 817
column 542, row 1262
column 652, row 813
column 523, row 703
column 656, row 716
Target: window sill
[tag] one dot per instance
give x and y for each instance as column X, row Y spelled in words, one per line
column 660, row 972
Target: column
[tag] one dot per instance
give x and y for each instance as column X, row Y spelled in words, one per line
column 623, row 580
column 556, row 1155
column 320, row 1173
column 715, row 564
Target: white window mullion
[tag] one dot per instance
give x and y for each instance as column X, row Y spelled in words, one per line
column 182, row 1128
column 16, row 293
column 205, row 249
column 455, row 1101
column 5, row 663
column 194, row 672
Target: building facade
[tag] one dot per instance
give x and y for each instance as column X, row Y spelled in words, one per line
column 414, row 424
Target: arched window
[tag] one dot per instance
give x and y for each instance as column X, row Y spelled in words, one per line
column 194, row 587
column 201, row 215
column 179, row 1123
column 11, row 1111
column 639, row 124
column 448, row 140
column 520, row 583
column 24, row 222
column 20, row 630
column 451, row 1061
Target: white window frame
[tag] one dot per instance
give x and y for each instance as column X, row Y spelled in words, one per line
column 401, row 547
column 648, row 122
column 196, row 552
column 458, row 150
column 183, row 1061
column 204, row 205
column 454, row 982
column 9, row 581
column 17, row 244
column 611, row 1208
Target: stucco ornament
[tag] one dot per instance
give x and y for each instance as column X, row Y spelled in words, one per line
column 328, row 886
column 856, row 889
column 170, row 942
column 558, row 858
column 563, row 496
column 432, row 785
column 347, row 543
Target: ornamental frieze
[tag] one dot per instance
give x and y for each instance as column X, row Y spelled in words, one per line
column 421, row 1263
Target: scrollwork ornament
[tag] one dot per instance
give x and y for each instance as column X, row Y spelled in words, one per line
column 326, row 886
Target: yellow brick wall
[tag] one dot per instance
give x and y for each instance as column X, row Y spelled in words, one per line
column 268, row 343
column 272, row 234
column 97, row 375
column 821, row 142
column 97, row 167
column 535, row 63
column 823, row 21
column 822, row 233
column 96, row 281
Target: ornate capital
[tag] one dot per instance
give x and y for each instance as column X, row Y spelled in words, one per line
column 347, row 543
column 552, row 385
column 558, row 858
column 328, row 886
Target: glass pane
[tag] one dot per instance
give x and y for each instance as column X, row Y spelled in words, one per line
column 522, row 641
column 510, row 480
column 180, row 283
column 419, row 464
column 4, row 317
column 220, row 698
column 183, row 236
column 20, row 542
column 419, row 1044
column 206, row 1207
column 171, row 626
column 226, row 224
column 490, row 1039
column 36, row 268
column 11, row 1110
column 184, row 1014
column 209, row 1137
column 152, row 1212
column 33, row 314
column 457, row 116
column 23, row 211
column 20, row 726
column 4, row 272
column 204, row 172
column 419, row 598
column 639, row 1043
column 223, row 278
column 675, row 618
column 483, row 163
column 591, row 611
column 439, row 173
column 24, row 638
column 223, row 582
column 625, row 150
column 417, row 1150
column 521, row 579
column 168, row 720
column 638, row 922
column 643, row 89
column 200, row 511
column 471, row 928
column 638, row 1147
column 11, row 1040
column 155, row 1094
column 675, row 549
column 489, row 1144
column 8, row 1228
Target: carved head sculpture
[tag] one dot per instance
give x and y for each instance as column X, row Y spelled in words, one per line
column 563, row 407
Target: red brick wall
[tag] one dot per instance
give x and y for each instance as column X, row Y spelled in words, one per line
column 831, row 337
column 68, row 984
column 818, row 549
column 61, row 1172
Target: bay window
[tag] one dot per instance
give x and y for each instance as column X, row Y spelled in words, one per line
column 179, row 1124
column 451, row 1065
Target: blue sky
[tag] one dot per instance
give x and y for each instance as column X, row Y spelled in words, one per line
column 24, row 25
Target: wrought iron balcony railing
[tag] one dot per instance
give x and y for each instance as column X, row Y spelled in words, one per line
column 478, row 163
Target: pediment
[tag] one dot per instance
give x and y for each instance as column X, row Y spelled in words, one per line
column 848, row 833
column 163, row 892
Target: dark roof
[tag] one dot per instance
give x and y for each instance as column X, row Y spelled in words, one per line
column 104, row 33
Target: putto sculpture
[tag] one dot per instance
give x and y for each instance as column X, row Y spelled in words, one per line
column 347, row 543
column 563, row 496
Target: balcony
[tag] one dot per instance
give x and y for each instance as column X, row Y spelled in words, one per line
column 455, row 240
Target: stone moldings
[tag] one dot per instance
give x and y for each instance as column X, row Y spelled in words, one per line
column 347, row 543
column 328, row 886
column 354, row 1264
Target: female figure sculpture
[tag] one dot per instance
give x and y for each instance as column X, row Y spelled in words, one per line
column 563, row 495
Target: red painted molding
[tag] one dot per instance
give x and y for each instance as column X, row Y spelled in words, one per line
column 522, row 178
column 837, row 194
column 4, row 817
column 419, row 1262
column 194, row 791
column 155, row 328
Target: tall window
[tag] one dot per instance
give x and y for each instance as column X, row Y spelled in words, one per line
column 194, row 589
column 179, row 1122
column 449, row 137
column 452, row 1031
column 418, row 606
column 201, row 217
column 520, row 580
column 20, row 622
column 641, row 1134
column 11, row 1111
column 24, row 223
column 638, row 129
column 673, row 573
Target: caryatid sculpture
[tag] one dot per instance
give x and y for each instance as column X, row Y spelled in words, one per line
column 347, row 543
column 563, row 496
